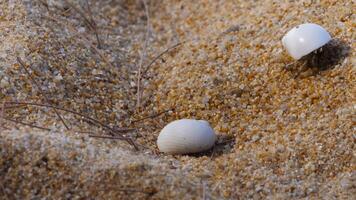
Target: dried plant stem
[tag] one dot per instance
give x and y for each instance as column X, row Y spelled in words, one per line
column 95, row 121
column 107, row 137
column 128, row 140
column 26, row 124
column 90, row 22
column 113, row 131
column 160, row 55
column 142, row 72
column 204, row 190
column 2, row 116
column 151, row 116
column 127, row 190
column 142, row 57
column 94, row 25
column 45, row 4
column 39, row 88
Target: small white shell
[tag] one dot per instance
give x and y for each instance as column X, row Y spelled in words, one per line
column 186, row 136
column 304, row 39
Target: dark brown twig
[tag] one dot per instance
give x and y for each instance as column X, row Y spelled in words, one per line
column 142, row 74
column 2, row 116
column 151, row 116
column 26, row 124
column 129, row 140
column 90, row 22
column 45, row 4
column 127, row 190
column 142, row 56
column 113, row 131
column 81, row 13
column 75, row 113
column 39, row 88
column 160, row 55
column 106, row 136
column 95, row 26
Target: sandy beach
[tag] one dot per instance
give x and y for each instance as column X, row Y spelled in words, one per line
column 86, row 86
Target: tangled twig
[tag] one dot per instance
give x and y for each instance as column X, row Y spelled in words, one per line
column 111, row 130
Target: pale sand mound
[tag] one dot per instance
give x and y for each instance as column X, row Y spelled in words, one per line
column 280, row 135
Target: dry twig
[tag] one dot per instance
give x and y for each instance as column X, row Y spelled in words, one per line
column 94, row 25
column 43, row 2
column 143, row 55
column 113, row 131
column 95, row 121
column 204, row 190
column 161, row 54
column 26, row 124
column 39, row 88
column 105, row 136
column 89, row 21
column 2, row 116
column 128, row 140
column 151, row 116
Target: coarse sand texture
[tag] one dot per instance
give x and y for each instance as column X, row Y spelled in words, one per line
column 85, row 83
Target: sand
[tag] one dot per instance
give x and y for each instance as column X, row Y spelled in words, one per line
column 283, row 132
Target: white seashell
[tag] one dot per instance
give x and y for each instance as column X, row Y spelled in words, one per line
column 186, row 136
column 304, row 39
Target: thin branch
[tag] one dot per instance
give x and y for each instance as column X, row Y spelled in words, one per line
column 11, row 107
column 45, row 4
column 103, row 58
column 151, row 116
column 233, row 28
column 129, row 140
column 127, row 190
column 75, row 113
column 204, row 190
column 160, row 55
column 26, row 124
column 39, row 88
column 216, row 186
column 90, row 22
column 143, row 54
column 106, row 137
column 81, row 13
column 2, row 116
column 95, row 26
column 114, row 131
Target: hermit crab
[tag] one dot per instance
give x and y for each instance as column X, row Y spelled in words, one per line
column 311, row 46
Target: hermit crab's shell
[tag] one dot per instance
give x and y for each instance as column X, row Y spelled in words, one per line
column 304, row 39
column 186, row 136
